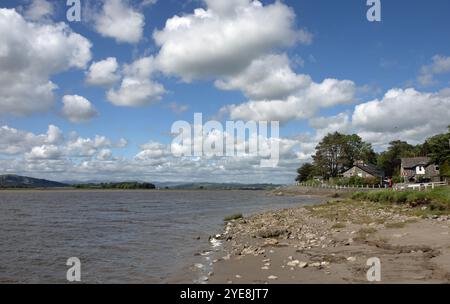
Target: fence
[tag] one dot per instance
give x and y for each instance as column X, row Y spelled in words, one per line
column 348, row 187
column 419, row 187
column 397, row 187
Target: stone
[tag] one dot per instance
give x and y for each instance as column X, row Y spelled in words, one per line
column 351, row 259
column 293, row 263
column 303, row 265
column 272, row 277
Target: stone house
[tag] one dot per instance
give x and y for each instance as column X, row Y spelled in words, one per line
column 364, row 170
column 416, row 169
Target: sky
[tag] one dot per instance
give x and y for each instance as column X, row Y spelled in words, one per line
column 95, row 100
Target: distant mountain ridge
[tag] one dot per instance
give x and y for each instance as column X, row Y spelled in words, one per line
column 24, row 182
column 16, row 181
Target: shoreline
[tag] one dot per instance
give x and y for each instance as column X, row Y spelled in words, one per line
column 332, row 242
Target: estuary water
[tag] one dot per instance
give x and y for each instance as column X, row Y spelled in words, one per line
column 119, row 236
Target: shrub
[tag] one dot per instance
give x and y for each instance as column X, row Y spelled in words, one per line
column 438, row 199
column 401, row 198
column 359, row 196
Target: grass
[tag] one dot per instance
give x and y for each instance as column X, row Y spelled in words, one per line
column 436, row 201
column 233, row 217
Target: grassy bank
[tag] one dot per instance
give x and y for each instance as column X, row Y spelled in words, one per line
column 435, row 201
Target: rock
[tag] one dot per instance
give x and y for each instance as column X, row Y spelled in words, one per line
column 303, row 265
column 272, row 277
column 238, row 276
column 317, row 264
column 325, row 264
column 351, row 259
column 270, row 242
column 248, row 251
column 265, row 268
column 293, row 263
column 227, row 257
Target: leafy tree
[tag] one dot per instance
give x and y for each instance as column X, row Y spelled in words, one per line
column 390, row 160
column 438, row 148
column 355, row 149
column 338, row 152
column 305, row 172
column 445, row 169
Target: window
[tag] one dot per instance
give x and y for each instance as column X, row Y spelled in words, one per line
column 420, row 170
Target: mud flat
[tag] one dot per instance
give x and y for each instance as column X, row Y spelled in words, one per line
column 331, row 243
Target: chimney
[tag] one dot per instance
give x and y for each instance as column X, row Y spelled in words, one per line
column 359, row 163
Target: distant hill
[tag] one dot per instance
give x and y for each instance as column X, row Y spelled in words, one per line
column 15, row 181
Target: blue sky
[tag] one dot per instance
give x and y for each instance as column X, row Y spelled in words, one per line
column 408, row 49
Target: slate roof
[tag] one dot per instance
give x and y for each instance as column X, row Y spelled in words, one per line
column 413, row 162
column 371, row 169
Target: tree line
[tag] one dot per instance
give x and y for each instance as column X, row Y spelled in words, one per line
column 337, row 153
column 122, row 186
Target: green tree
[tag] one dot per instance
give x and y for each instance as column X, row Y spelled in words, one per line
column 438, row 148
column 338, row 152
column 305, row 172
column 390, row 160
column 355, row 149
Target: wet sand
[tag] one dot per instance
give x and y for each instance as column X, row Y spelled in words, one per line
column 331, row 243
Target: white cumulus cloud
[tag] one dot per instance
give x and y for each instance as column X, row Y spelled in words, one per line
column 268, row 77
column 137, row 87
column 78, row 109
column 39, row 10
column 118, row 20
column 302, row 104
column 440, row 65
column 103, row 73
column 403, row 114
column 29, row 54
column 224, row 38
